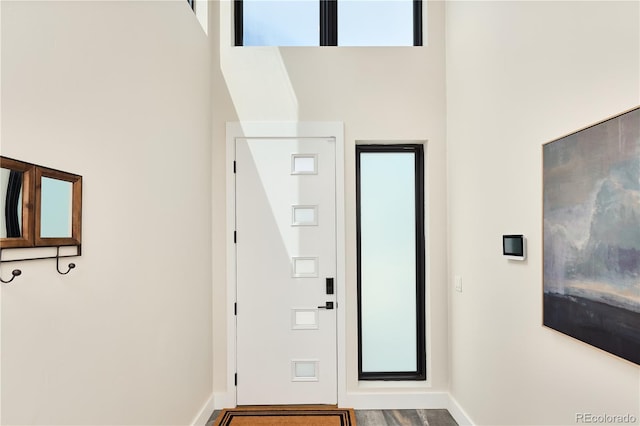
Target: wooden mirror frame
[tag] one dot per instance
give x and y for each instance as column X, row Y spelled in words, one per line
column 76, row 208
column 28, row 172
column 32, row 206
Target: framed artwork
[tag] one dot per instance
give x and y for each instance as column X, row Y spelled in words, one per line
column 591, row 237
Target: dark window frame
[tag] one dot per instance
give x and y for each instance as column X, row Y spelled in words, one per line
column 421, row 359
column 328, row 23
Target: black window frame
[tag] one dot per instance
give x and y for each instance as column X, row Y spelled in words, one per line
column 421, row 358
column 328, row 23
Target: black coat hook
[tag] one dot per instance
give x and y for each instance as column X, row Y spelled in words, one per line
column 14, row 274
column 70, row 266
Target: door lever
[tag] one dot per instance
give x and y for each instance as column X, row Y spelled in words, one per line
column 327, row 305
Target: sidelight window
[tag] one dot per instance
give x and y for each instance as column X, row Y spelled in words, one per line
column 391, row 262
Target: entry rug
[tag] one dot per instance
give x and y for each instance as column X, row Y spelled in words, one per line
column 287, row 416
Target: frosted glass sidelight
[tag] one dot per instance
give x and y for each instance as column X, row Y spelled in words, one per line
column 388, row 261
column 305, row 371
column 304, row 164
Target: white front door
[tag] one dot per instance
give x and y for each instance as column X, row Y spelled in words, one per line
column 286, row 265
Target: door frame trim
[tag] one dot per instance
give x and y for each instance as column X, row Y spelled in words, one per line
column 234, row 130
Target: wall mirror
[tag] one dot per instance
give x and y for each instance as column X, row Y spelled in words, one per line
column 16, row 203
column 40, row 207
column 58, row 208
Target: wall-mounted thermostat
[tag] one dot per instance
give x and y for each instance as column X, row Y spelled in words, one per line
column 514, row 247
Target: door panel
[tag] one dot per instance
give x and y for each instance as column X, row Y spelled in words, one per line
column 286, row 248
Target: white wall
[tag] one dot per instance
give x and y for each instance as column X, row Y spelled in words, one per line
column 520, row 74
column 119, row 93
column 394, row 94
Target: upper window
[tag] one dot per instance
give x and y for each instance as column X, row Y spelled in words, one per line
column 328, row 22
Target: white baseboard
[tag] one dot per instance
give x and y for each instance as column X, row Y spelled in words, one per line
column 395, row 400
column 224, row 400
column 456, row 411
column 409, row 401
column 204, row 413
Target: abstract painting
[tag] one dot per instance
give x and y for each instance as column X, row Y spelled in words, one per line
column 591, row 214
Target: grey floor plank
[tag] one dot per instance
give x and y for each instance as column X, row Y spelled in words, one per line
column 370, row 417
column 403, row 418
column 439, row 417
column 213, row 418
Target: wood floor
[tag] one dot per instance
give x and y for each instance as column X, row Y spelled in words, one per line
column 404, row 418
column 393, row 418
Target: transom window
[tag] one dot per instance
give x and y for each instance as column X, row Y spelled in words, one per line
column 328, row 22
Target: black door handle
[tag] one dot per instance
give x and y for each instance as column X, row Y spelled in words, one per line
column 327, row 305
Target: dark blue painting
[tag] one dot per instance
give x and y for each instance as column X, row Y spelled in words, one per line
column 591, row 186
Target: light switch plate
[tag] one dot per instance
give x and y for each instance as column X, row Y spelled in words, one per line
column 458, row 283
